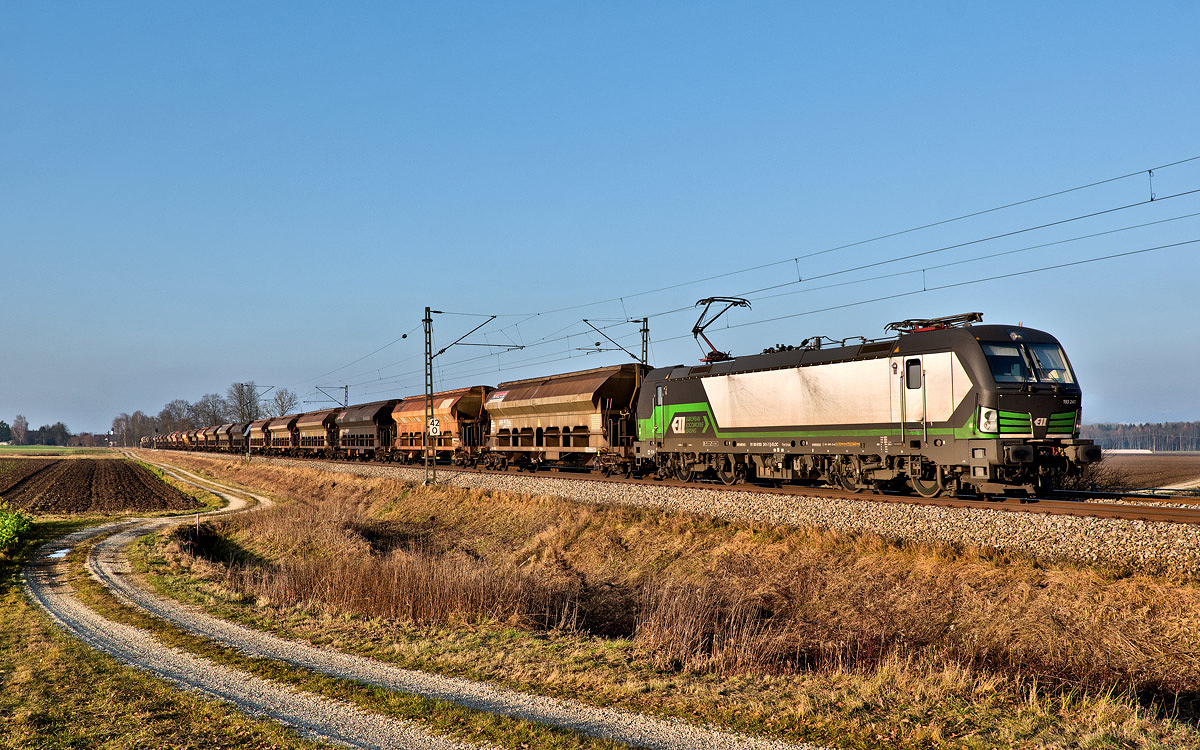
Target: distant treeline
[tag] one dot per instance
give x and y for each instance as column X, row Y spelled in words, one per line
column 1159, row 436
column 242, row 402
column 20, row 433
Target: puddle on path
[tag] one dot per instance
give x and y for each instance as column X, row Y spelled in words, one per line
column 58, row 555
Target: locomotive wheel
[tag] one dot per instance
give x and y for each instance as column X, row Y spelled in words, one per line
column 684, row 475
column 850, row 485
column 928, row 488
column 727, row 471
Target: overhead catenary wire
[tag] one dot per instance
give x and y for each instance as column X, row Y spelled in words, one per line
column 451, row 367
column 964, row 261
column 795, row 259
column 888, row 235
column 550, row 338
column 881, row 298
column 952, row 285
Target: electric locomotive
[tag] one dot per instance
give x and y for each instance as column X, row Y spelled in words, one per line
column 946, row 405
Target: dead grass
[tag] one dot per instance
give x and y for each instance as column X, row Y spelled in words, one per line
column 718, row 605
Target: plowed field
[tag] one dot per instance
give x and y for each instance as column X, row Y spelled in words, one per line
column 88, row 486
column 14, row 471
column 1155, row 469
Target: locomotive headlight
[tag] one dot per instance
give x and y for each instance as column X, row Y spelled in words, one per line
column 989, row 420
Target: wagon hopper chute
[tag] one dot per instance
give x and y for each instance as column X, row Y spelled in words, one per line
column 317, row 431
column 237, row 436
column 224, row 442
column 283, row 434
column 258, row 434
column 366, row 429
column 462, row 424
column 207, row 438
column 567, row 419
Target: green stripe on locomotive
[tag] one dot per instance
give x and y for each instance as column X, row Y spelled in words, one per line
column 664, row 415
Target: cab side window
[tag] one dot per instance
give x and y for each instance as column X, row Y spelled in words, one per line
column 912, row 374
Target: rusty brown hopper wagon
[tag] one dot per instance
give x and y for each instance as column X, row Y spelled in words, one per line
column 318, row 431
column 462, row 423
column 565, row 419
column 283, row 433
column 224, row 443
column 259, row 436
column 366, row 429
column 189, row 438
column 237, row 437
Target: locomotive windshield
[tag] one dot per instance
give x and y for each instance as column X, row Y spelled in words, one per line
column 1028, row 363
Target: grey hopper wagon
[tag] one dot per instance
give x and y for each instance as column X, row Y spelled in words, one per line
column 564, row 420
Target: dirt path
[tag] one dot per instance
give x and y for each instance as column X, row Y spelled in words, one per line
column 318, row 718
column 108, row 564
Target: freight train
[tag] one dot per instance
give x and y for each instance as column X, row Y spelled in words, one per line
column 943, row 405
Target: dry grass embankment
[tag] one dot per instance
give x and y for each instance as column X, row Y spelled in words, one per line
column 701, row 598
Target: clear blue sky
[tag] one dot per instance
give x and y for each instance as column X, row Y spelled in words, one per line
column 196, row 194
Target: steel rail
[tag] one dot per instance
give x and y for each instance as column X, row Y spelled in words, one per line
column 1187, row 511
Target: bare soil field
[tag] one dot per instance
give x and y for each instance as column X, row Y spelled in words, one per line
column 1154, row 469
column 15, row 471
column 86, row 486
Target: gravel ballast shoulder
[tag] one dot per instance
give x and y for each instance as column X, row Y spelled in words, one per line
column 1150, row 546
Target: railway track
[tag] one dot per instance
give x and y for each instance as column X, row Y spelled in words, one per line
column 1132, row 505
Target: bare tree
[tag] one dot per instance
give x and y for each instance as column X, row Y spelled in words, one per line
column 141, row 425
column 176, row 415
column 283, row 402
column 120, row 425
column 243, row 401
column 20, row 428
column 210, row 410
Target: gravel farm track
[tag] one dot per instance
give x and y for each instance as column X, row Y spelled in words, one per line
column 310, row 715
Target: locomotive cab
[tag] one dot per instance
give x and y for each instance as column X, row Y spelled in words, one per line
column 1029, row 411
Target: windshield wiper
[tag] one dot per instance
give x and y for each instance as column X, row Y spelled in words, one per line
column 1029, row 358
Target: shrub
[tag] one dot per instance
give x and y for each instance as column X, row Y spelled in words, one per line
column 13, row 523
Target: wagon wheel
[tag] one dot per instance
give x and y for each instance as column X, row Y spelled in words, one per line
column 627, row 470
column 928, row 488
column 848, row 484
column 726, row 470
column 606, row 470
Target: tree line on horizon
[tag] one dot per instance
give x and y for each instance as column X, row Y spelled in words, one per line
column 19, row 433
column 1152, row 436
column 241, row 403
